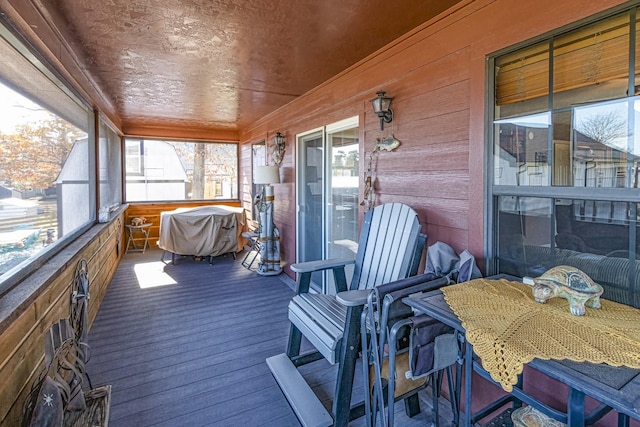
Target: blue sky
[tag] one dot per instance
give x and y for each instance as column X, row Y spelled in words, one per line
column 16, row 109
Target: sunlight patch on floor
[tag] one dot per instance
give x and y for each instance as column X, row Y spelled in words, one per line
column 151, row 275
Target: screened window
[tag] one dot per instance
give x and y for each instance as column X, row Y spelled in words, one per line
column 110, row 167
column 47, row 162
column 134, row 156
column 178, row 170
column 566, row 151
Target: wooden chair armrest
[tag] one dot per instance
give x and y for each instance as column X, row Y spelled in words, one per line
column 313, row 266
column 353, row 298
column 305, row 269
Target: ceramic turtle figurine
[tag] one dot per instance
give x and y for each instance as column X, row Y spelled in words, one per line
column 569, row 283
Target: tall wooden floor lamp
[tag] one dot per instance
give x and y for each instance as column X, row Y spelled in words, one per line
column 269, row 236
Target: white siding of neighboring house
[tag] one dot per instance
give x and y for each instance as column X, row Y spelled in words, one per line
column 74, row 203
column 17, row 208
column 164, row 177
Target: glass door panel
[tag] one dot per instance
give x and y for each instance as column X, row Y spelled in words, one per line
column 310, row 200
column 342, row 200
column 328, row 180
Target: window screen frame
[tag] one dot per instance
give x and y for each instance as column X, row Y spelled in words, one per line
column 547, row 191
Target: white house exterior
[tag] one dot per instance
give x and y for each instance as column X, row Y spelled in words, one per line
column 154, row 172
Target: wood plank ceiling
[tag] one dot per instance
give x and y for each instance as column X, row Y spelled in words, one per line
column 223, row 64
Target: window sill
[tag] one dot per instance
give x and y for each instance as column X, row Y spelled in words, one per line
column 23, row 294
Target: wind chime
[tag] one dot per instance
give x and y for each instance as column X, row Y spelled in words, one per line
column 389, row 143
column 369, row 196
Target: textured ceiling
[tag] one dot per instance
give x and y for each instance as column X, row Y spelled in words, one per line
column 222, row 64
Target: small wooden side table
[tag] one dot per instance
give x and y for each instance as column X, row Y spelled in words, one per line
column 131, row 230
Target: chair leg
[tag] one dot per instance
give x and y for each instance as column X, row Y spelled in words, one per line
column 245, row 261
column 295, row 338
column 452, row 395
column 411, row 405
column 256, row 249
column 367, row 351
column 249, row 258
column 293, row 349
column 458, row 393
column 435, row 392
column 346, row 370
column 255, row 255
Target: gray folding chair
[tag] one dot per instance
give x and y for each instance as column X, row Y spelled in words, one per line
column 403, row 350
column 252, row 235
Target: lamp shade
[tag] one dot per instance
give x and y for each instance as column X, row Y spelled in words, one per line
column 266, row 175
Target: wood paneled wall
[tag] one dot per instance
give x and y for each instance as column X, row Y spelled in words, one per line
column 44, row 298
column 437, row 75
column 152, row 211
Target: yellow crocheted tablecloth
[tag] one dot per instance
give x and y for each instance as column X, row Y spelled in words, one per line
column 508, row 328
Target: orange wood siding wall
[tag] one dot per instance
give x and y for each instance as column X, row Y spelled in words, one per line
column 437, row 76
column 21, row 334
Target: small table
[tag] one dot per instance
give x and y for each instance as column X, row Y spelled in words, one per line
column 623, row 399
column 131, row 229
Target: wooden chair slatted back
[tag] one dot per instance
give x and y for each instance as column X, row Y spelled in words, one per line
column 386, row 246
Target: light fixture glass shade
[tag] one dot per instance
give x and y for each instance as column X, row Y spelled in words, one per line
column 278, row 148
column 377, row 105
column 279, row 140
column 266, row 175
column 381, row 103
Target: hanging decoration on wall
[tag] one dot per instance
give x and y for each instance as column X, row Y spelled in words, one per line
column 382, row 107
column 368, row 200
column 389, row 143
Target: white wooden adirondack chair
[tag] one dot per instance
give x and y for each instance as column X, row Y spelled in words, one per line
column 390, row 248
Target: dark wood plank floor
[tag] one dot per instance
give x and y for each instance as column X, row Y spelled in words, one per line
column 192, row 352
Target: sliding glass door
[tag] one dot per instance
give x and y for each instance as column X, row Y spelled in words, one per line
column 328, row 189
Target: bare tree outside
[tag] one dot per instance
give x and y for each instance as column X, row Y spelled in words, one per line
column 208, row 164
column 347, row 160
column 608, row 148
column 199, row 172
column 604, row 127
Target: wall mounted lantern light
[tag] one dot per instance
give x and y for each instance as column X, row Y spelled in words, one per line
column 278, row 148
column 382, row 107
